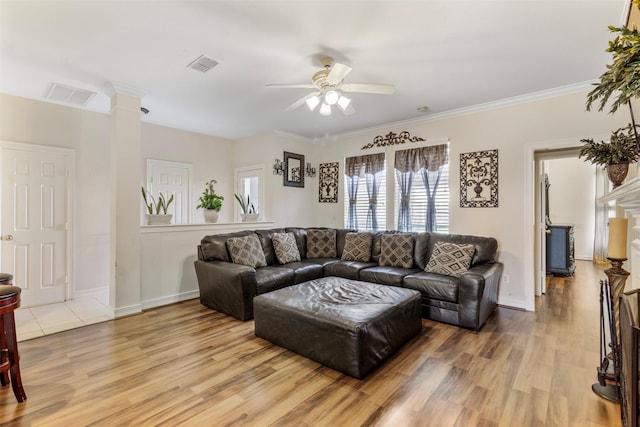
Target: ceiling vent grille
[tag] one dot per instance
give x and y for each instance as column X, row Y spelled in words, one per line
column 203, row 64
column 69, row 94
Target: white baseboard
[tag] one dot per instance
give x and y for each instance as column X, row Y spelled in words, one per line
column 127, row 311
column 512, row 303
column 170, row 299
column 101, row 294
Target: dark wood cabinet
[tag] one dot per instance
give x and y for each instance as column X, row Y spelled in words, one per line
column 560, row 252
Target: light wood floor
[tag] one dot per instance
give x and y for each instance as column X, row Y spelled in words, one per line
column 187, row 365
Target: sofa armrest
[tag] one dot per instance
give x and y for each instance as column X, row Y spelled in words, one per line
column 227, row 287
column 478, row 294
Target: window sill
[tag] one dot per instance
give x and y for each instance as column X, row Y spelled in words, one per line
column 231, row 226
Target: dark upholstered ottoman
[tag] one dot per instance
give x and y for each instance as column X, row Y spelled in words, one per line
column 347, row 325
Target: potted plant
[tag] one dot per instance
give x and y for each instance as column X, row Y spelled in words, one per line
column 210, row 202
column 157, row 210
column 249, row 213
column 623, row 74
column 615, row 154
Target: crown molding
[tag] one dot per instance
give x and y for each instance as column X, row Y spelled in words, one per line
column 473, row 109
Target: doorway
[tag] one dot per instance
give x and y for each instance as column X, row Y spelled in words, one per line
column 565, row 212
column 36, row 221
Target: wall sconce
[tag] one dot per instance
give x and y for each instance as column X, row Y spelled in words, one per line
column 309, row 171
column 278, row 167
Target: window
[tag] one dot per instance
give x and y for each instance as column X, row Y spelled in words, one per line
column 422, row 189
column 250, row 183
column 418, row 201
column 365, row 195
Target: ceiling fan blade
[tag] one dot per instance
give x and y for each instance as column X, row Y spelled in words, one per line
column 338, row 72
column 349, row 110
column 300, row 101
column 285, row 86
column 382, row 89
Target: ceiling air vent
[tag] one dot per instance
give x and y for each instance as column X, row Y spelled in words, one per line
column 69, row 94
column 203, row 64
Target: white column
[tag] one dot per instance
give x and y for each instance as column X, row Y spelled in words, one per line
column 125, row 173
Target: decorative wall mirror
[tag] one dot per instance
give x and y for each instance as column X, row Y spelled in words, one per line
column 293, row 170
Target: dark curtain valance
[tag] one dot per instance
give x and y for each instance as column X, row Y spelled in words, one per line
column 361, row 165
column 414, row 159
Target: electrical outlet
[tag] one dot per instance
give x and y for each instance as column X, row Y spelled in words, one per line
column 505, row 278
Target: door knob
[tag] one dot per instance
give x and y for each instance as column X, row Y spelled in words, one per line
column 7, row 237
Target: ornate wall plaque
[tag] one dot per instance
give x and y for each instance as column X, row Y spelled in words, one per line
column 479, row 179
column 328, row 182
column 392, row 139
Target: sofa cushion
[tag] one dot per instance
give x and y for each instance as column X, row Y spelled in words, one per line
column 396, row 250
column 273, row 277
column 432, row 285
column 357, row 247
column 304, row 271
column 421, row 250
column 347, row 269
column 266, row 240
column 386, row 275
column 214, row 247
column 246, row 250
column 322, row 261
column 486, row 247
column 321, row 243
column 285, row 247
column 450, row 259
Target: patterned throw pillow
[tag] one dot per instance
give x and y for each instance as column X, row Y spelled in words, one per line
column 357, row 247
column 321, row 244
column 246, row 250
column 450, row 259
column 396, row 250
column 286, row 247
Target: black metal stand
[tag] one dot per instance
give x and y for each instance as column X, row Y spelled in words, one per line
column 608, row 385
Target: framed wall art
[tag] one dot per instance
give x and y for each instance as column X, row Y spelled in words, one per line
column 328, row 182
column 479, row 179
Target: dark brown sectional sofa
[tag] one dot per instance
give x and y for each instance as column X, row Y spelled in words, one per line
column 466, row 301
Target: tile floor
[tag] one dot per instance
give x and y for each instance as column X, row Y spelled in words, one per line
column 48, row 319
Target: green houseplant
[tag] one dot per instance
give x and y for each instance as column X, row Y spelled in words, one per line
column 622, row 78
column 210, row 202
column 157, row 209
column 616, row 154
column 248, row 209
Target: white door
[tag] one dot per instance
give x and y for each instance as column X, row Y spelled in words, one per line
column 543, row 230
column 35, row 223
column 172, row 178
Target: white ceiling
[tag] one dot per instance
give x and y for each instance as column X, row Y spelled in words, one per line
column 446, row 55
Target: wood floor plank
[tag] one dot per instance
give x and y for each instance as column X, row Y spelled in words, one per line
column 187, row 365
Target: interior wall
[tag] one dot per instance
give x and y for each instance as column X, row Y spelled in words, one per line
column 208, row 155
column 572, row 196
column 510, row 129
column 285, row 206
column 33, row 122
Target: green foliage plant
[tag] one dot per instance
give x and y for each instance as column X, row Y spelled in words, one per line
column 209, row 198
column 246, row 206
column 160, row 206
column 621, row 148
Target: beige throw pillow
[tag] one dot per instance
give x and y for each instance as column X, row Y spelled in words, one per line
column 286, row 247
column 450, row 259
column 357, row 247
column 321, row 244
column 396, row 250
column 246, row 250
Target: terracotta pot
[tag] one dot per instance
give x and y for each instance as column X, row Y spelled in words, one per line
column 617, row 173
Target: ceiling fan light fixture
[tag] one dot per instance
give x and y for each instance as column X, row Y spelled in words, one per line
column 331, row 97
column 344, row 102
column 312, row 102
column 325, row 109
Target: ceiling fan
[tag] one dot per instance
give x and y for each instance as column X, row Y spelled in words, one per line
column 329, row 83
